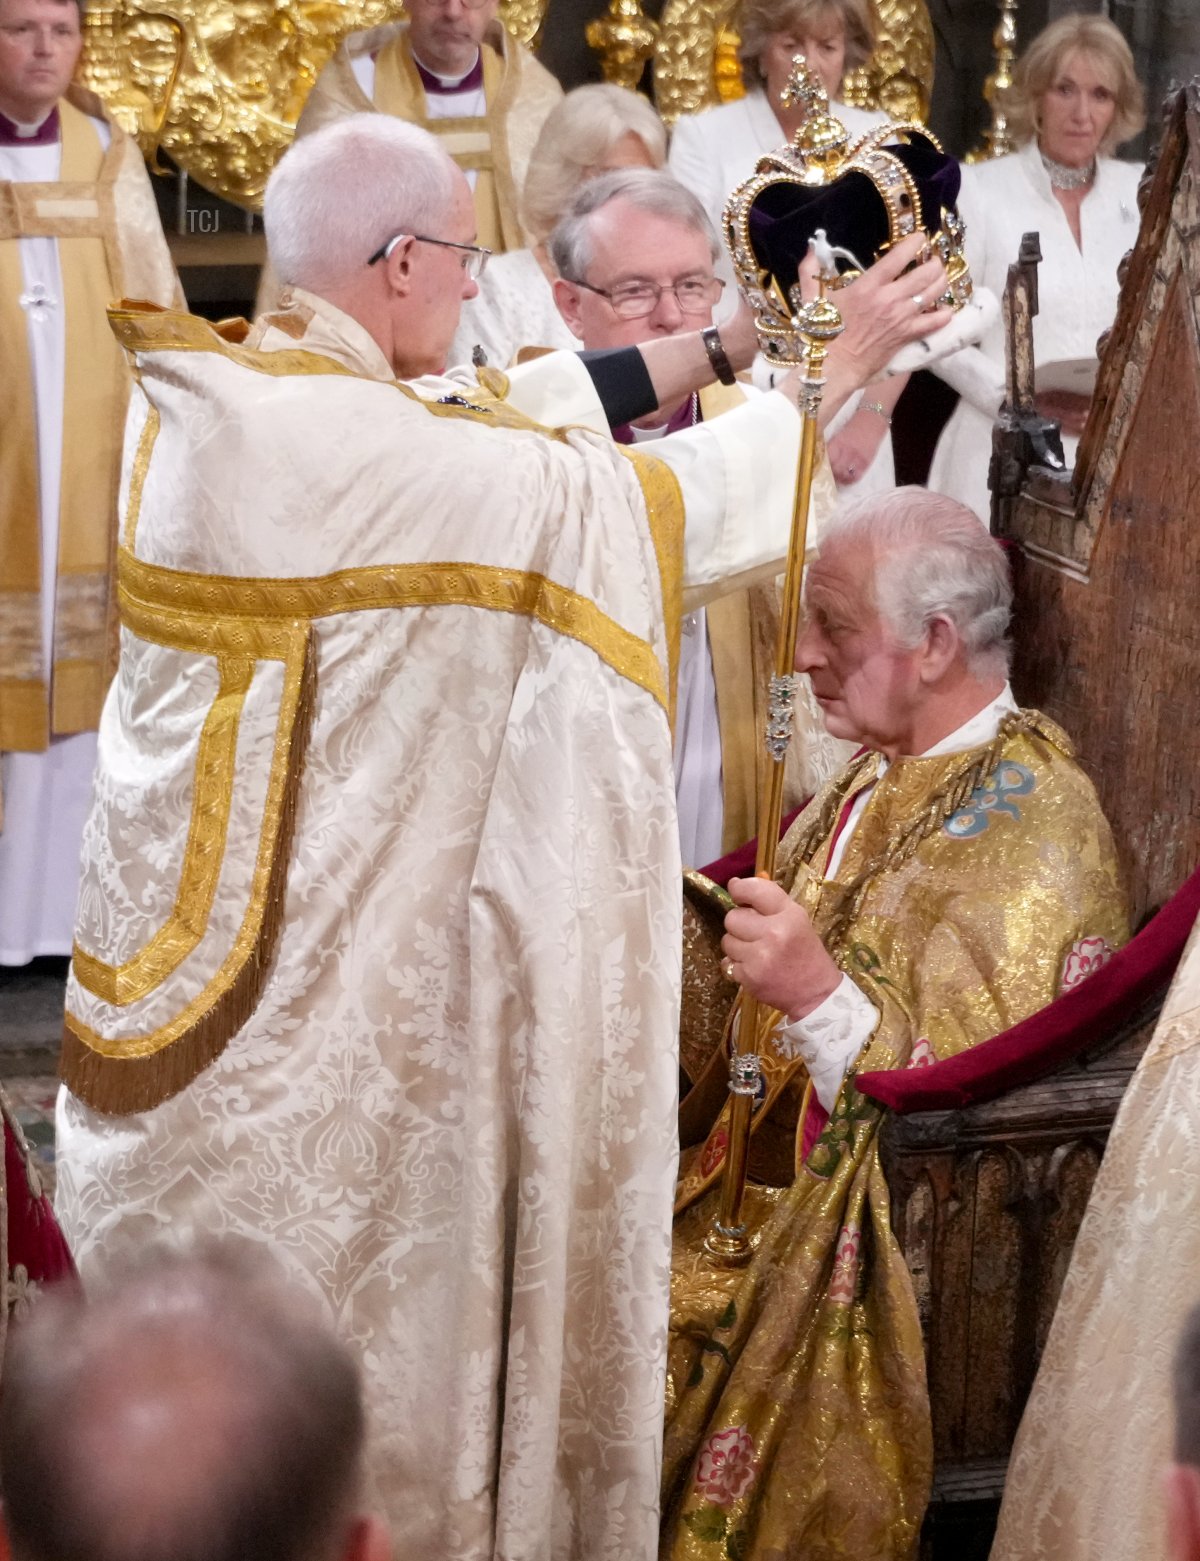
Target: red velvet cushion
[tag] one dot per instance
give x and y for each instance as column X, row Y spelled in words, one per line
column 1057, row 1033
column 740, row 863
column 35, row 1243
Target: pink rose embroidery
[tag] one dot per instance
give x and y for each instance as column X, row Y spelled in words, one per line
column 845, row 1265
column 1084, row 957
column 726, row 1468
column 922, row 1053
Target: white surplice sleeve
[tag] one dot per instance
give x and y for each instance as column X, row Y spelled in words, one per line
column 738, row 476
column 557, row 391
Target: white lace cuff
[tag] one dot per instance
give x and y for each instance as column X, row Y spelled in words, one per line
column 831, row 1037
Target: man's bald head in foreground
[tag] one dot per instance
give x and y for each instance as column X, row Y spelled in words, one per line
column 193, row 1410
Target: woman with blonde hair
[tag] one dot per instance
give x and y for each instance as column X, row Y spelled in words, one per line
column 1075, row 98
column 713, row 152
column 593, row 130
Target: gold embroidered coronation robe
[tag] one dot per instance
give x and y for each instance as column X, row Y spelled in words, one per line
column 375, row 638
column 974, row 888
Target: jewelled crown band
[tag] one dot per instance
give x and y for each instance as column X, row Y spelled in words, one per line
column 863, row 195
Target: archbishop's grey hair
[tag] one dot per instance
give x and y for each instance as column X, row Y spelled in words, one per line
column 651, row 190
column 933, row 559
column 338, row 194
column 193, row 1409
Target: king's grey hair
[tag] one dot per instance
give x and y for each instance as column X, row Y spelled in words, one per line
column 338, row 194
column 651, row 190
column 933, row 559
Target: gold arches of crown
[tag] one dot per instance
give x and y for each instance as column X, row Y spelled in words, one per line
column 219, row 84
column 695, row 59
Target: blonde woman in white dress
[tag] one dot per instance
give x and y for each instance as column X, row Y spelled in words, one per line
column 1076, row 97
column 595, row 129
column 713, row 152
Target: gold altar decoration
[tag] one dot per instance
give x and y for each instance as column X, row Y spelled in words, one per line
column 998, row 141
column 219, row 86
column 624, row 38
column 695, row 59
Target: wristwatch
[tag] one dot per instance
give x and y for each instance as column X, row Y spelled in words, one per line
column 717, row 355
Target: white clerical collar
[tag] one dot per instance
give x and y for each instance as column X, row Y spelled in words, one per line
column 641, row 435
column 981, row 728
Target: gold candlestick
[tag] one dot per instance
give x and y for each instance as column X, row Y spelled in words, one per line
column 998, row 141
column 624, row 38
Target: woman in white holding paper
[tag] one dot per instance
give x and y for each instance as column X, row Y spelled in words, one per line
column 1075, row 98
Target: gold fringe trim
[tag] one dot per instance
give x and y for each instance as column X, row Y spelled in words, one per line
column 121, row 1085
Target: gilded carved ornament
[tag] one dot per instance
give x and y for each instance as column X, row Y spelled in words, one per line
column 219, row 86
column 997, row 139
column 624, row 38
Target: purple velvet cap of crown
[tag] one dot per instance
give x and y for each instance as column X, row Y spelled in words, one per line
column 850, row 209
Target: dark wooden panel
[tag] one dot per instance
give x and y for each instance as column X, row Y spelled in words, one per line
column 1107, row 631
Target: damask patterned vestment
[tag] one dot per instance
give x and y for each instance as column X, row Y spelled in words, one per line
column 976, row 887
column 377, row 958
column 1085, row 1477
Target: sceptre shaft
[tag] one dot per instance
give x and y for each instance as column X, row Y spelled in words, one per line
column 768, row 220
column 815, row 325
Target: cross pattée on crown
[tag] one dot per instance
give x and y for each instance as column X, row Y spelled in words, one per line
column 804, row 89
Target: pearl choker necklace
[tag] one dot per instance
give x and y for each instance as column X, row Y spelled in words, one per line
column 1064, row 178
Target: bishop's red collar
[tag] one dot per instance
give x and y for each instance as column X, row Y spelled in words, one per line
column 441, row 85
column 45, row 134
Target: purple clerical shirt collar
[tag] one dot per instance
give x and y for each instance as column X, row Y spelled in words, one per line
column 471, row 82
column 45, row 134
column 682, row 417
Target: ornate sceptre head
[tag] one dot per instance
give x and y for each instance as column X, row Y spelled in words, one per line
column 839, row 200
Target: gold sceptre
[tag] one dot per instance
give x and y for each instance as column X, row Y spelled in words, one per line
column 795, row 332
column 815, row 324
column 811, row 326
